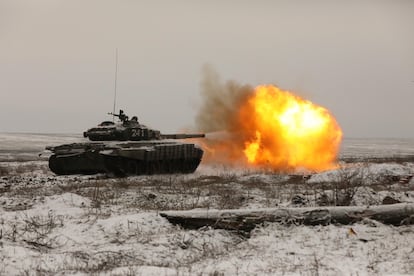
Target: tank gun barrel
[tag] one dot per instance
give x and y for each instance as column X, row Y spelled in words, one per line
column 182, row 136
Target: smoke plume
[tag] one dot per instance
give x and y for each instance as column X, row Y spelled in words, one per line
column 220, row 102
column 218, row 117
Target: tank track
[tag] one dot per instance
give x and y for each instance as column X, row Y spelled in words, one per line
column 119, row 166
column 126, row 166
column 76, row 164
column 99, row 158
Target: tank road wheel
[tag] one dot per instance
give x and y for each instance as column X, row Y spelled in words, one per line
column 132, row 167
column 150, row 167
column 113, row 165
column 180, row 167
column 172, row 166
column 167, row 166
column 183, row 165
column 157, row 167
column 177, row 166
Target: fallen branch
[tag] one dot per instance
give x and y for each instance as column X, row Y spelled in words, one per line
column 246, row 220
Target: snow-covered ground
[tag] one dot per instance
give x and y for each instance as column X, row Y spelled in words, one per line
column 98, row 225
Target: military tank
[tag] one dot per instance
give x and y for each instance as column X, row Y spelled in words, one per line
column 126, row 148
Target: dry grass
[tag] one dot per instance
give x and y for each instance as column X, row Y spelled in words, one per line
column 23, row 168
column 178, row 192
column 132, row 195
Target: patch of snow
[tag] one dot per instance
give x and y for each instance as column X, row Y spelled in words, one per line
column 390, row 169
column 370, row 174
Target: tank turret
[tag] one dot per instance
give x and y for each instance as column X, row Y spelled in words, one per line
column 129, row 130
column 126, row 148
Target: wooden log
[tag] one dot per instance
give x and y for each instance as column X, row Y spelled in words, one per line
column 247, row 219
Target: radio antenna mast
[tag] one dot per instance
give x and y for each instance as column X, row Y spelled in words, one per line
column 116, row 75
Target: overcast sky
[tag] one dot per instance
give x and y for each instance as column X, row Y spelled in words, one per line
column 57, row 59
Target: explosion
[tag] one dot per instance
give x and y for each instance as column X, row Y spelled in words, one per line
column 266, row 127
column 287, row 132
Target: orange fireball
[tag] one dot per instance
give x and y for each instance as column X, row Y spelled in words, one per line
column 285, row 132
column 266, row 127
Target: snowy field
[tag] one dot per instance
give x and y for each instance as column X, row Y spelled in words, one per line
column 82, row 225
column 27, row 147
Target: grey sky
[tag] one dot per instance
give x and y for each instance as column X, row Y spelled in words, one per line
column 57, row 59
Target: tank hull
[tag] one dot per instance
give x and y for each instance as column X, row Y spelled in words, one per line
column 125, row 158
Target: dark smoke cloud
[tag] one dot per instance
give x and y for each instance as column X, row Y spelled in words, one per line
column 218, row 117
column 220, row 102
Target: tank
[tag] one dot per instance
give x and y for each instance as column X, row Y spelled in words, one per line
column 126, row 148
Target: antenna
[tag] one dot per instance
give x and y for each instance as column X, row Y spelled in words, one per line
column 116, row 75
